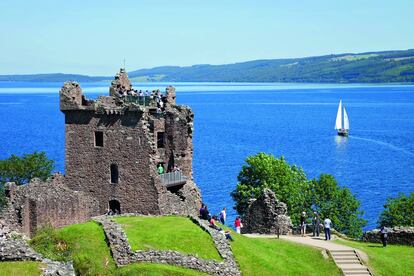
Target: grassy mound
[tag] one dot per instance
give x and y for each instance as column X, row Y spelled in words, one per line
column 155, row 270
column 168, row 233
column 391, row 260
column 20, row 268
column 260, row 256
column 83, row 243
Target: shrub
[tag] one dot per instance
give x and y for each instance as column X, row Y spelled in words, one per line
column 399, row 211
column 50, row 244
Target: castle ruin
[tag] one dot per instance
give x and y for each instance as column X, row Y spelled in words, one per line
column 113, row 147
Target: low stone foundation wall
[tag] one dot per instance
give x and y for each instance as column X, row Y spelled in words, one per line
column 14, row 247
column 396, row 235
column 123, row 255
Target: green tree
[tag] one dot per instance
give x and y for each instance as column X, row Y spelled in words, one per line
column 337, row 203
column 265, row 171
column 291, row 186
column 399, row 211
column 22, row 169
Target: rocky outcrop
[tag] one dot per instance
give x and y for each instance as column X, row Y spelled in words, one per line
column 266, row 215
column 396, row 235
column 123, row 255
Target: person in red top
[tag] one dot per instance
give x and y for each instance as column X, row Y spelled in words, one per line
column 213, row 223
column 238, row 225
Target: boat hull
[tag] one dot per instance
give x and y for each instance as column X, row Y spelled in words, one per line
column 343, row 132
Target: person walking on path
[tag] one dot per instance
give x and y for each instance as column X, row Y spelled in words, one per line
column 303, row 224
column 327, row 226
column 316, row 221
column 384, row 236
column 223, row 216
column 238, row 225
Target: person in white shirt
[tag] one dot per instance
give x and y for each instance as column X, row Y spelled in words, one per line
column 327, row 225
column 223, row 216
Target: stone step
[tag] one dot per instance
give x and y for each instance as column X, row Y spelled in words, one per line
column 354, row 257
column 357, row 274
column 359, row 271
column 343, row 254
column 347, row 262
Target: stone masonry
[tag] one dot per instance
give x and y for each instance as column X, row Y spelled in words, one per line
column 114, row 145
column 266, row 215
column 396, row 235
column 123, row 254
column 46, row 202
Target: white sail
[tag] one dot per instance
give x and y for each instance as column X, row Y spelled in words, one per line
column 338, row 123
column 346, row 120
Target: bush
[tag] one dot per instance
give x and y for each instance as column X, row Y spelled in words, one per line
column 50, row 244
column 22, row 169
column 399, row 211
column 337, row 203
column 265, row 171
column 292, row 187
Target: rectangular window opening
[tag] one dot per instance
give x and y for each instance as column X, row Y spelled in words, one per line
column 114, row 174
column 99, row 139
column 160, row 139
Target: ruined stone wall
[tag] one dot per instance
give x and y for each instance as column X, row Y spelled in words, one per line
column 47, row 202
column 396, row 235
column 124, row 144
column 266, row 215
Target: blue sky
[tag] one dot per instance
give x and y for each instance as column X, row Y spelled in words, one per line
column 93, row 37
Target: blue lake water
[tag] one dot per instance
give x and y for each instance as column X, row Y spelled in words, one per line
column 233, row 121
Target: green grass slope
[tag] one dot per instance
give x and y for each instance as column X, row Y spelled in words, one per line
column 168, row 233
column 20, row 268
column 85, row 244
column 277, row 257
column 391, row 260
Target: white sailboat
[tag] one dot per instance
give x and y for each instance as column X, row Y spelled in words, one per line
column 342, row 121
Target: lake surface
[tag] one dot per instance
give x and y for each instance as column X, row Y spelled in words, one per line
column 233, row 121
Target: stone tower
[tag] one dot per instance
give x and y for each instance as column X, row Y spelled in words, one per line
column 115, row 143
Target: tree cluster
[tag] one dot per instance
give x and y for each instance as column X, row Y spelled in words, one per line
column 292, row 187
column 21, row 170
column 398, row 211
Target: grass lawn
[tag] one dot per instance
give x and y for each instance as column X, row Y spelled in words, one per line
column 257, row 256
column 20, row 268
column 168, row 233
column 155, row 270
column 83, row 243
column 391, row 260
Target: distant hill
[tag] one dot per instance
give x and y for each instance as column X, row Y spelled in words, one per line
column 371, row 67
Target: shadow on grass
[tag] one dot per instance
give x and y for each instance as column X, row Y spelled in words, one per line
column 378, row 246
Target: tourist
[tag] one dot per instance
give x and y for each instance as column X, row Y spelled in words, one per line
column 223, row 216
column 316, row 223
column 327, row 227
column 238, row 225
column 176, row 169
column 206, row 214
column 384, row 236
column 213, row 223
column 303, row 224
column 202, row 210
column 160, row 169
column 227, row 235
